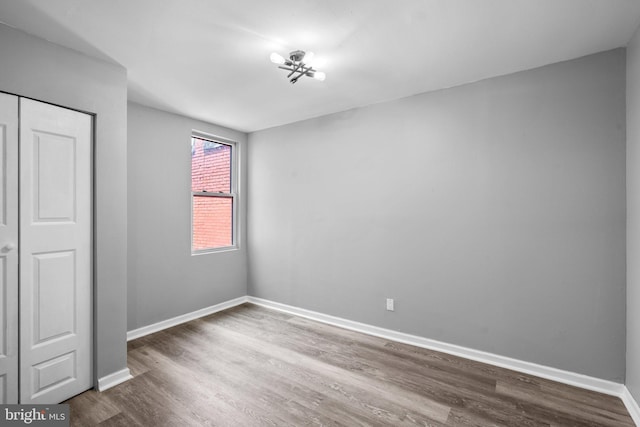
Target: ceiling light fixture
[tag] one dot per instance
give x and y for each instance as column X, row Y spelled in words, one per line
column 296, row 65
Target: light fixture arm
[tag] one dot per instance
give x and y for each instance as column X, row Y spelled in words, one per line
column 295, row 65
column 301, row 64
column 301, row 68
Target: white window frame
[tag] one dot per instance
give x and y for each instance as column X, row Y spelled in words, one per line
column 232, row 195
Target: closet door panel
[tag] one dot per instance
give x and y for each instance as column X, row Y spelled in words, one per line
column 8, row 249
column 55, row 253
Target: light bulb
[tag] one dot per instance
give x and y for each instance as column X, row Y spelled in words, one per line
column 276, row 58
column 319, row 75
column 308, row 57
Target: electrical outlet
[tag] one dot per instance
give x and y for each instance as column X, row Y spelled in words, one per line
column 390, row 304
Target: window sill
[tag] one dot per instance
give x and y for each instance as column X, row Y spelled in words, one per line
column 215, row 251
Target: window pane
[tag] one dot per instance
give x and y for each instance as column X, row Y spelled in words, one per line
column 210, row 166
column 212, row 222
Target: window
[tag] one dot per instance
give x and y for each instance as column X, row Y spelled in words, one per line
column 213, row 194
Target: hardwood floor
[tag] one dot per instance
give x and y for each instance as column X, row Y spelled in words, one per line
column 250, row 366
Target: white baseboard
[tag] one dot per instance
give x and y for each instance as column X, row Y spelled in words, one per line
column 554, row 374
column 632, row 405
column 156, row 327
column 114, row 379
column 565, row 377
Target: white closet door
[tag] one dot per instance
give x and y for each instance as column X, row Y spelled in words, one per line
column 8, row 248
column 55, row 253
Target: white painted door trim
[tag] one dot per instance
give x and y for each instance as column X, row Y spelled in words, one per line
column 9, row 228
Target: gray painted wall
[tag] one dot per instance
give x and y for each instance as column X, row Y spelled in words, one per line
column 494, row 214
column 38, row 69
column 165, row 280
column 633, row 216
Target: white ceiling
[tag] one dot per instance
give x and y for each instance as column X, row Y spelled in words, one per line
column 209, row 59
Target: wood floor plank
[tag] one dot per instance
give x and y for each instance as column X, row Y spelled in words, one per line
column 269, row 361
column 252, row 366
column 449, row 387
column 91, row 408
column 353, row 377
column 576, row 410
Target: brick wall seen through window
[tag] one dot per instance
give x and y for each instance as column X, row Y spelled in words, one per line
column 211, row 186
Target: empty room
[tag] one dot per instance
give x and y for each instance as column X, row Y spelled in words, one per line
column 320, row 212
